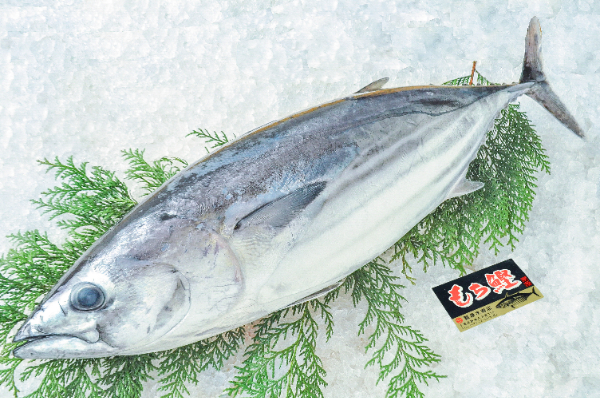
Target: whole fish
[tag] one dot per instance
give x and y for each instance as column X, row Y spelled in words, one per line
column 515, row 299
column 277, row 217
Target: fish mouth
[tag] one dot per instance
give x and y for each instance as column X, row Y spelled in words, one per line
column 60, row 346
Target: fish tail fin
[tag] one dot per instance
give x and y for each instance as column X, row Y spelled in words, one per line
column 541, row 90
column 533, row 291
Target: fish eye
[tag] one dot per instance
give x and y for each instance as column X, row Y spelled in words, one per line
column 87, row 297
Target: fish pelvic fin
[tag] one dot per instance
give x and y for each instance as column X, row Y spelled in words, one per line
column 533, row 71
column 464, row 187
column 320, row 293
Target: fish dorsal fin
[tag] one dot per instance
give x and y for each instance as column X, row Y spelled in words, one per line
column 281, row 211
column 376, row 85
column 320, row 293
column 464, row 187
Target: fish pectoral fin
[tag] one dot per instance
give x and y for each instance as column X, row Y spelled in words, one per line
column 320, row 293
column 464, row 187
column 281, row 211
column 376, row 85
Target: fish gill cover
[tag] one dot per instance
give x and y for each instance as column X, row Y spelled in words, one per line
column 280, row 356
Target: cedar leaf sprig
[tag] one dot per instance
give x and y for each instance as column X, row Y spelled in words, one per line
column 123, row 376
column 151, row 175
column 395, row 345
column 65, row 378
column 94, row 200
column 273, row 371
column 214, row 139
column 181, row 367
column 464, row 80
column 294, row 370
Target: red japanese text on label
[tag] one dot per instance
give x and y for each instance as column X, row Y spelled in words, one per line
column 456, row 296
column 480, row 291
column 501, row 279
column 526, row 281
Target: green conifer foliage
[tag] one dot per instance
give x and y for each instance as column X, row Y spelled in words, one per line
column 281, row 359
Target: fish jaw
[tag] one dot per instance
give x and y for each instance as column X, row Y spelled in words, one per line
column 32, row 330
column 63, row 346
column 49, row 334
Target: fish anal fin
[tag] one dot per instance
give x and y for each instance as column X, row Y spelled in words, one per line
column 320, row 293
column 464, row 187
column 374, row 86
column 281, row 211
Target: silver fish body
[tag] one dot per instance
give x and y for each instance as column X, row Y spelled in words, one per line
column 277, row 216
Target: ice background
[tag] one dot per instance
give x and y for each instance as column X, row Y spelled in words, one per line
column 88, row 79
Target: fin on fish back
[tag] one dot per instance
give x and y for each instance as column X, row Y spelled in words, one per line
column 281, row 211
column 541, row 92
column 374, row 86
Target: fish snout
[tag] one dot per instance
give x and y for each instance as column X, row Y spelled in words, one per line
column 40, row 323
column 25, row 332
column 48, row 335
column 51, row 320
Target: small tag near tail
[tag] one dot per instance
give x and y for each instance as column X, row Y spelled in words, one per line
column 486, row 294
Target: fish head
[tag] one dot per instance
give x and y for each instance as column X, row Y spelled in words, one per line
column 105, row 306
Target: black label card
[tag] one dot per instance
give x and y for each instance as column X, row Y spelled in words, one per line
column 486, row 294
